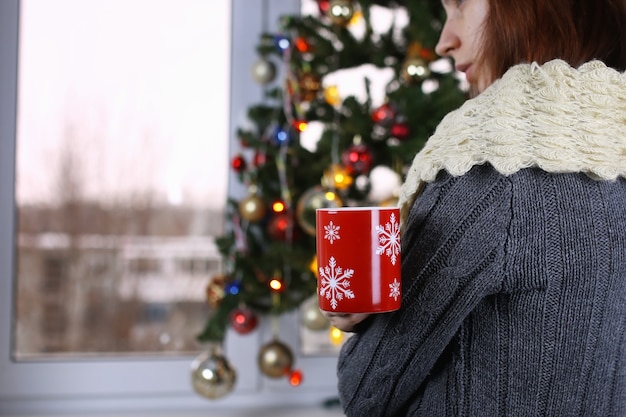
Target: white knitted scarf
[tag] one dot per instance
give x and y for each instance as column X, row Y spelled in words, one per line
column 550, row 116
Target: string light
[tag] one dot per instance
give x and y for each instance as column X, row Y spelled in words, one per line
column 300, row 125
column 276, row 284
column 313, row 265
column 336, row 336
column 295, row 378
column 278, row 206
column 330, row 196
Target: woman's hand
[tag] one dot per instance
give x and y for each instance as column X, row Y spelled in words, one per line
column 345, row 322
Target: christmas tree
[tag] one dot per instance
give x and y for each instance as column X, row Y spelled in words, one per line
column 310, row 144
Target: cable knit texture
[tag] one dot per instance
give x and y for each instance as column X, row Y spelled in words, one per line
column 513, row 260
column 554, row 117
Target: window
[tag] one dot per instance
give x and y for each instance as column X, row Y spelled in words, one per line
column 114, row 137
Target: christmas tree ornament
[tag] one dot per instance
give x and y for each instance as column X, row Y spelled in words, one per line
column 252, row 208
column 243, row 320
column 415, row 70
column 357, row 159
column 340, row 12
column 259, row 159
column 311, row 200
column 385, row 183
column 384, row 114
column 337, row 176
column 215, row 290
column 323, row 6
column 331, row 95
column 400, row 130
column 275, row 359
column 212, row 375
column 281, row 227
column 311, row 316
column 263, row 71
column 309, row 85
column 282, row 43
column 363, row 184
column 295, row 378
column 238, row 163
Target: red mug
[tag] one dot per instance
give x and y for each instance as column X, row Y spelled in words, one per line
column 358, row 259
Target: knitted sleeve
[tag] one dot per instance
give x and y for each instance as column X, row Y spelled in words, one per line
column 453, row 256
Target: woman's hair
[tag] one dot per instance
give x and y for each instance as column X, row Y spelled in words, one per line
column 576, row 31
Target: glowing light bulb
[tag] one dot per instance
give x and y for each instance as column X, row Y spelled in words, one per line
column 295, row 378
column 276, row 284
column 313, row 265
column 278, row 207
column 336, row 336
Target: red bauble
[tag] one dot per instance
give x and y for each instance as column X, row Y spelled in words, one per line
column 260, row 158
column 323, row 6
column 238, row 163
column 243, row 320
column 280, row 225
column 384, row 114
column 400, row 130
column 357, row 159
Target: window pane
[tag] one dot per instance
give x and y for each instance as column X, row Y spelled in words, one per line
column 121, row 173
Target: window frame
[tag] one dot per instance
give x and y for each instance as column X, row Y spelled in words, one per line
column 133, row 383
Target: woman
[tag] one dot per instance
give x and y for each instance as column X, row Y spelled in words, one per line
column 514, row 229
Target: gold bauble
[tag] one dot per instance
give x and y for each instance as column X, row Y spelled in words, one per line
column 312, row 317
column 252, row 208
column 311, row 200
column 212, row 375
column 415, row 70
column 340, row 11
column 275, row 359
column 337, row 176
column 263, row 71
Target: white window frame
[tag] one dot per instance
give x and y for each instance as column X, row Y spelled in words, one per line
column 101, row 385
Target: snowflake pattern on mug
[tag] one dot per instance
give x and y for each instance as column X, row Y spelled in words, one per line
column 394, row 289
column 335, row 282
column 331, row 232
column 389, row 239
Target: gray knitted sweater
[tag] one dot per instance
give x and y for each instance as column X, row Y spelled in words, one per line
column 514, row 273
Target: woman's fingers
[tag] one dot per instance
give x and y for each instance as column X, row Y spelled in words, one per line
column 345, row 322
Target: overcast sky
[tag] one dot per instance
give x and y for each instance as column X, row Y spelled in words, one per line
column 137, row 88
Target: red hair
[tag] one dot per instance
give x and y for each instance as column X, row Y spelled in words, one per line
column 576, row 31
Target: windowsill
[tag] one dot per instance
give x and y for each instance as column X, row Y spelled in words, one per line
column 230, row 412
